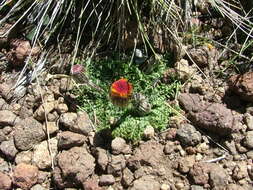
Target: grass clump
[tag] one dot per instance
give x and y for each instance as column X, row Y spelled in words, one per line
column 128, row 125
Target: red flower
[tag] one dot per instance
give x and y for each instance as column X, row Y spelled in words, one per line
column 121, row 92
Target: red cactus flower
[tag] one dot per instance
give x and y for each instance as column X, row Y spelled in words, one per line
column 121, row 92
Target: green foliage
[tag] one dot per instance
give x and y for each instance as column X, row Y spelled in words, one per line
column 103, row 113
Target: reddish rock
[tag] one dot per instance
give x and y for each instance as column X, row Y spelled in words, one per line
column 8, row 118
column 106, row 180
column 91, row 185
column 25, row 175
column 5, row 181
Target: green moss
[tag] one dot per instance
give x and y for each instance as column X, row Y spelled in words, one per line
column 129, row 126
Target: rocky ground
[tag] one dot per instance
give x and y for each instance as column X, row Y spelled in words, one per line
column 46, row 144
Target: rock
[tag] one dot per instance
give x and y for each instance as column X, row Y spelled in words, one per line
column 24, row 157
column 149, row 132
column 25, row 176
column 102, row 158
column 185, row 164
column 213, row 117
column 53, row 117
column 116, row 165
column 248, row 119
column 179, row 185
column 127, row 177
column 196, row 187
column 43, row 110
column 119, row 145
column 4, row 167
column 242, row 85
column 69, row 139
column 28, row 133
column 169, row 147
column 183, row 70
column 240, row 171
column 38, row 187
column 250, row 155
column 188, row 135
column 8, row 118
column 83, row 124
column 6, row 91
column 144, row 156
column 165, row 186
column 218, row 178
column 230, row 145
column 91, row 185
column 68, row 119
column 50, row 127
column 106, row 180
column 61, row 108
column 42, row 158
column 145, row 183
column 74, row 167
column 234, row 187
column 200, row 173
column 2, row 136
column 5, row 181
column 8, row 149
column 248, row 141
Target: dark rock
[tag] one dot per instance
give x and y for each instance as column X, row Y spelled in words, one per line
column 73, row 167
column 69, row 139
column 116, row 165
column 106, row 180
column 8, row 149
column 127, row 177
column 8, row 118
column 218, row 178
column 5, row 181
column 242, row 85
column 213, row 117
column 25, row 176
column 119, row 145
column 28, row 133
column 149, row 153
column 145, row 183
column 188, row 135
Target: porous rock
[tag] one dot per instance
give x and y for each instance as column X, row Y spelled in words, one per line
column 116, row 165
column 145, row 183
column 83, row 124
column 102, row 158
column 69, row 139
column 127, row 177
column 249, row 139
column 28, row 133
column 8, row 149
column 43, row 110
column 119, row 145
column 188, row 135
column 106, row 180
column 213, row 117
column 25, row 176
column 74, row 166
column 218, row 178
column 24, row 157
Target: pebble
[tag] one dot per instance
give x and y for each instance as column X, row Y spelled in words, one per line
column 106, row 180
column 43, row 110
column 24, row 157
column 149, row 132
column 250, row 154
column 5, row 181
column 248, row 119
column 249, row 139
column 69, row 139
column 119, row 145
column 51, row 127
column 165, row 187
column 8, row 149
column 61, row 108
column 8, row 118
column 179, row 185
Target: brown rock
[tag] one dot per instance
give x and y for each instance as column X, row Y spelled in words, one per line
column 83, row 124
column 8, row 149
column 25, row 175
column 91, row 185
column 43, row 110
column 242, row 85
column 74, row 167
column 145, row 183
column 8, row 118
column 185, row 164
column 218, row 178
column 240, row 171
column 119, row 145
column 213, row 117
column 28, row 133
column 116, row 165
column 102, row 158
column 106, row 180
column 127, row 177
column 69, row 139
column 5, row 181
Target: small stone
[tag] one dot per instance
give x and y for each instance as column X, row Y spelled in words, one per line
column 119, row 145
column 2, row 136
column 28, row 133
column 106, row 180
column 7, row 130
column 186, row 164
column 188, row 135
column 127, row 177
column 149, row 132
column 196, row 187
column 117, row 164
column 5, row 181
column 8, row 149
column 198, row 157
column 250, row 155
column 4, row 167
column 179, row 185
column 5, row 91
column 38, row 187
column 8, row 118
column 200, row 173
column 102, row 158
column 41, row 156
column 83, row 124
column 230, row 145
column 24, row 157
column 145, row 183
column 50, row 127
column 68, row 119
column 171, row 134
column 43, row 110
column 240, row 171
column 169, row 147
column 218, row 178
column 248, row 119
column 91, row 184
column 25, row 176
column 69, row 139
column 61, row 108
column 183, row 70
column 52, row 117
column 249, row 139
column 165, row 187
